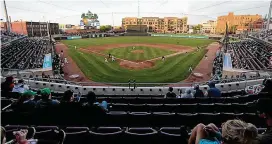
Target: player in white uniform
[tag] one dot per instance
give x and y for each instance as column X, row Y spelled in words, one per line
column 112, row 58
column 65, row 61
column 106, row 60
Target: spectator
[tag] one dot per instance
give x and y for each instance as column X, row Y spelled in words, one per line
column 233, row 132
column 264, row 108
column 180, row 94
column 198, row 92
column 18, row 105
column 29, row 104
column 267, row 86
column 68, row 96
column 170, row 93
column 213, row 91
column 20, row 87
column 46, row 100
column 3, row 135
column 91, row 102
column 8, row 85
column 187, row 94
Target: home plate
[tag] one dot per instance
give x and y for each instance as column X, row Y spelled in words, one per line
column 198, row 74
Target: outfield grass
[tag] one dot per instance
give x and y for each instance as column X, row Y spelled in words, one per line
column 83, row 43
column 148, row 53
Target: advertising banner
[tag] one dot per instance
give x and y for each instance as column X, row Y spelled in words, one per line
column 47, row 62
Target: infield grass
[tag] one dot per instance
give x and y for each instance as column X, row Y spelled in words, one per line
column 129, row 54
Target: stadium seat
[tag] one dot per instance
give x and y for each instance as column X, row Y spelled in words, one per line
column 144, row 135
column 79, row 135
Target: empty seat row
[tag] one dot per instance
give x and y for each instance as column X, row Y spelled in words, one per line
column 185, row 108
column 122, row 118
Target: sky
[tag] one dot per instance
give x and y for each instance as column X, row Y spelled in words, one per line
column 111, row 12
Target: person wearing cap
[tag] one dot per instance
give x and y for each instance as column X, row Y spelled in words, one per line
column 198, row 92
column 264, row 107
column 29, row 104
column 213, row 91
column 46, row 100
column 20, row 87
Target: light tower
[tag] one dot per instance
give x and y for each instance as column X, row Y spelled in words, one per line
column 7, row 18
column 269, row 15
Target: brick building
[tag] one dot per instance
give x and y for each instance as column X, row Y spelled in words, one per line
column 34, row 28
column 156, row 24
column 208, row 27
column 237, row 23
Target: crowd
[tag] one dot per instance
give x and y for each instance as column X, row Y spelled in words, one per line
column 9, row 36
column 195, row 92
column 27, row 53
column 217, row 66
column 264, row 34
column 249, row 54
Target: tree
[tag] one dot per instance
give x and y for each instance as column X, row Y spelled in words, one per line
column 105, row 28
column 233, row 29
column 102, row 28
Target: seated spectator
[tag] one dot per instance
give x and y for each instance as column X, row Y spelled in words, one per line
column 267, row 86
column 3, row 135
column 8, row 85
column 187, row 94
column 68, row 100
column 18, row 105
column 20, row 87
column 29, row 104
column 91, row 102
column 264, row 108
column 233, row 132
column 180, row 94
column 170, row 93
column 213, row 91
column 198, row 92
column 46, row 100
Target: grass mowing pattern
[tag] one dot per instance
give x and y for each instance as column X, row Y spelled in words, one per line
column 149, row 53
column 173, row 69
column 83, row 43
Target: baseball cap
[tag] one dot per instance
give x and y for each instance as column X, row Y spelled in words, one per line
column 29, row 93
column 45, row 91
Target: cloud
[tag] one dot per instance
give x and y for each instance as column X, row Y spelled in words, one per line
column 112, row 11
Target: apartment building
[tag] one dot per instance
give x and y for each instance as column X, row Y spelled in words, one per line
column 208, row 27
column 160, row 25
column 34, row 28
column 237, row 23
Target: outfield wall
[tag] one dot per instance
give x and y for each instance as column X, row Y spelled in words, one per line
column 180, row 36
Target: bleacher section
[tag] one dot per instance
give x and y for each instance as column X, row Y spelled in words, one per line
column 144, row 119
column 27, row 53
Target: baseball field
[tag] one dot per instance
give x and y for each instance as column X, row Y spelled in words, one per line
column 144, row 59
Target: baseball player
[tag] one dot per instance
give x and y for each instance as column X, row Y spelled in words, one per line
column 65, row 61
column 109, row 55
column 163, row 58
column 112, row 58
column 133, row 47
column 106, row 60
column 190, row 69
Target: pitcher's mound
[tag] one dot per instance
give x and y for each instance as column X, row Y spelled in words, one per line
column 136, row 65
column 137, row 51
